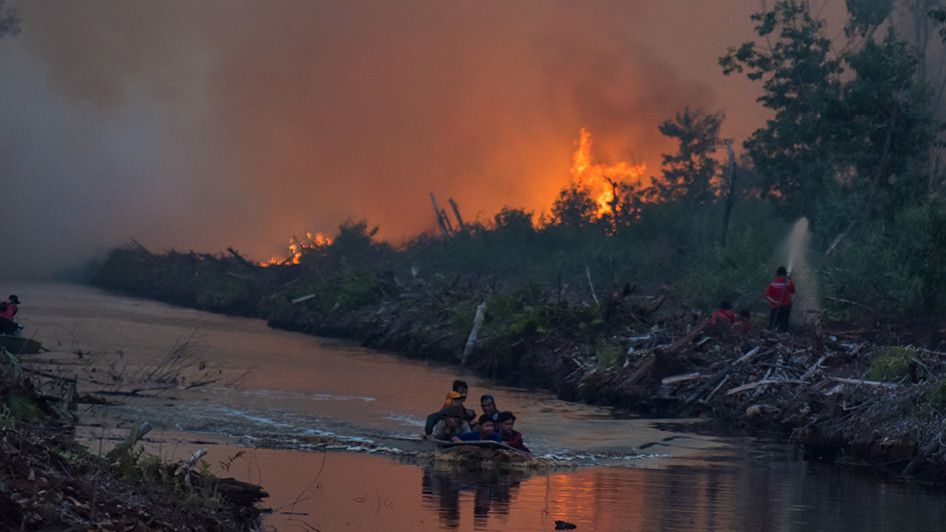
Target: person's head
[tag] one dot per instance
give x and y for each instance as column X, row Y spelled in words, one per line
column 456, row 399
column 507, row 422
column 725, row 305
column 781, row 271
column 461, row 387
column 488, row 404
column 452, row 417
column 486, row 426
column 15, row 300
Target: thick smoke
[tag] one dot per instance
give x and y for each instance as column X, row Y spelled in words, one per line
column 200, row 125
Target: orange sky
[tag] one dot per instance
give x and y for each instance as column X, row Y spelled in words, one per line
column 201, row 125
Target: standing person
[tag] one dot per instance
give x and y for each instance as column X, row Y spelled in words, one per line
column 8, row 309
column 507, row 431
column 779, row 295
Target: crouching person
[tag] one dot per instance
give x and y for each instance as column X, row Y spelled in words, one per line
column 452, row 424
column 486, row 432
column 507, row 431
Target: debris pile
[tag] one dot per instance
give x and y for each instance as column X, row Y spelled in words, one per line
column 50, row 481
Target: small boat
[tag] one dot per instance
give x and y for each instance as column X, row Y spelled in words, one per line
column 18, row 345
column 484, row 454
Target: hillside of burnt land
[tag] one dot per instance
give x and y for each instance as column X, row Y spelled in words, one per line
column 862, row 394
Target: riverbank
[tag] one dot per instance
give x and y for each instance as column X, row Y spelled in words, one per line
column 629, row 350
column 51, row 481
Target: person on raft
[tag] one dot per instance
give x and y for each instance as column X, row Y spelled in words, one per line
column 779, row 295
column 486, row 432
column 461, row 388
column 452, row 424
column 488, row 404
column 507, row 431
column 8, row 309
column 454, row 399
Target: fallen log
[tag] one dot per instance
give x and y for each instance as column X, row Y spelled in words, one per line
column 130, row 441
column 689, row 337
column 888, row 385
column 763, row 382
column 720, row 375
column 683, row 378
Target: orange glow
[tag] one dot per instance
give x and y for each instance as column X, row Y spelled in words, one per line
column 297, row 247
column 596, row 175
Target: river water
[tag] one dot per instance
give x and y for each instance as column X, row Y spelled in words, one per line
column 330, row 430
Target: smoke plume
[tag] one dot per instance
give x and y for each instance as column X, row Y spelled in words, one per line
column 201, row 125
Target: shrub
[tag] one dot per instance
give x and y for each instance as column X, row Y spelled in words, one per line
column 892, row 364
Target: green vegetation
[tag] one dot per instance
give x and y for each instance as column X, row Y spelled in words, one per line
column 892, row 364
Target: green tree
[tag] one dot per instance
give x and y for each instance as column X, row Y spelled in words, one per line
column 851, row 135
column 574, row 207
column 801, row 85
column 689, row 174
column 884, row 128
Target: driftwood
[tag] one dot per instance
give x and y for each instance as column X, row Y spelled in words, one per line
column 133, row 437
column 763, row 382
column 689, row 337
column 186, row 466
column 474, row 332
column 720, row 375
column 685, row 377
column 879, row 384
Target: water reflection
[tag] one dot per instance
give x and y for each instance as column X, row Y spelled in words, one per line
column 493, row 491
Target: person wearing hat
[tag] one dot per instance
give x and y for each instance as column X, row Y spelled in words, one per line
column 7, row 311
column 454, row 399
column 452, row 424
column 507, row 431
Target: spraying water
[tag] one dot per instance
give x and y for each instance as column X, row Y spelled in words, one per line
column 795, row 248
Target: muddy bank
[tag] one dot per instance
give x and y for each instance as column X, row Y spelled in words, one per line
column 641, row 352
column 51, row 481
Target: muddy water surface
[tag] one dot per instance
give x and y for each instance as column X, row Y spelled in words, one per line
column 331, row 431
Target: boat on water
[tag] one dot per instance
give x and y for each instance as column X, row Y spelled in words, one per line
column 483, row 453
column 19, row 345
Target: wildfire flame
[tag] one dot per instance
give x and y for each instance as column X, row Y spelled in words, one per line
column 297, row 247
column 594, row 174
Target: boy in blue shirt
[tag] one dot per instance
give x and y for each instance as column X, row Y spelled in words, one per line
column 487, row 431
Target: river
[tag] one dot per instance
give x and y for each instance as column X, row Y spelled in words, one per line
column 330, row 430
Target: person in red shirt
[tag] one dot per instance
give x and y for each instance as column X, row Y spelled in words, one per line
column 723, row 313
column 722, row 320
column 508, row 432
column 743, row 324
column 7, row 311
column 779, row 295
